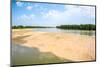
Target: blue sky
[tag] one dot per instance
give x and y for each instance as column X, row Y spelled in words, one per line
column 43, row 14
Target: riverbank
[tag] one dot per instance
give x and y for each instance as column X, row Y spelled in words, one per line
column 67, row 46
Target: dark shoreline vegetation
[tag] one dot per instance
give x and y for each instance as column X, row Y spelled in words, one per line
column 78, row 27
column 73, row 27
column 22, row 27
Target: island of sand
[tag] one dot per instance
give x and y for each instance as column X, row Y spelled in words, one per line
column 63, row 45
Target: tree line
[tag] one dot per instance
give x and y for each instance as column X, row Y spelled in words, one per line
column 21, row 27
column 78, row 27
column 74, row 27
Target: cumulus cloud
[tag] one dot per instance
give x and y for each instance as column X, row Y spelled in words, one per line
column 86, row 10
column 29, row 7
column 71, row 14
column 26, row 18
column 68, row 14
column 19, row 4
column 53, row 14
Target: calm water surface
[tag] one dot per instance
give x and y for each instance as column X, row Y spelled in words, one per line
column 22, row 55
column 79, row 32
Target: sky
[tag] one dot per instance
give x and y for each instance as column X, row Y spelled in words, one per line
column 47, row 14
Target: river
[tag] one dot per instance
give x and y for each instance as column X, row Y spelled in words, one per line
column 78, row 32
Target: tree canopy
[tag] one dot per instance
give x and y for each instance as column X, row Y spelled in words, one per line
column 78, row 27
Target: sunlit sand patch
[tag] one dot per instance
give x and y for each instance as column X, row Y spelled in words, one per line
column 67, row 46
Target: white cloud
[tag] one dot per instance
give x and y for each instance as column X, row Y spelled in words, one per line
column 90, row 11
column 32, row 16
column 53, row 14
column 70, row 14
column 29, row 7
column 26, row 18
column 19, row 4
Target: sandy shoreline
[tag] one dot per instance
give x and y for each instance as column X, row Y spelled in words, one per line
column 67, row 46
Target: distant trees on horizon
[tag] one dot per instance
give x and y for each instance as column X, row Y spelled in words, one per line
column 74, row 27
column 21, row 26
column 78, row 27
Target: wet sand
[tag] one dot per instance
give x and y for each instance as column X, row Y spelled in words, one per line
column 67, row 46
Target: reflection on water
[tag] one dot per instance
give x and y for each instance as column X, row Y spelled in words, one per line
column 79, row 32
column 22, row 55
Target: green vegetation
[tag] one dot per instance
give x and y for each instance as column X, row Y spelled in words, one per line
column 22, row 27
column 74, row 27
column 78, row 27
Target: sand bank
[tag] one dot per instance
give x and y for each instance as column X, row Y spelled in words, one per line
column 67, row 46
